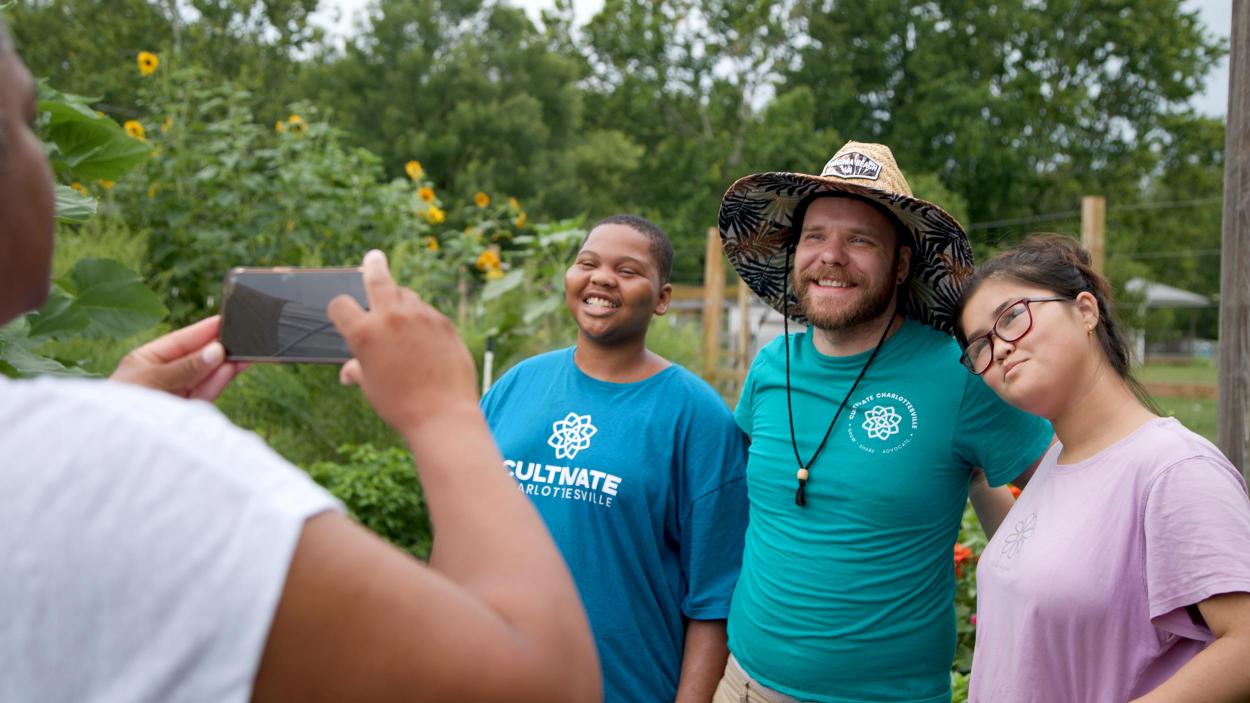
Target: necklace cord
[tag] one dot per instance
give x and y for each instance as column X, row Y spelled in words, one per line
column 804, row 472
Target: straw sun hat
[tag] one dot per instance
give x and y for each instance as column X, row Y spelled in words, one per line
column 756, row 230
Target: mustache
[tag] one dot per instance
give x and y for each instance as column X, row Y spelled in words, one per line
column 838, row 275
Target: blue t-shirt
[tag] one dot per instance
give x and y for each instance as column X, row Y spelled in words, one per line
column 643, row 488
column 851, row 598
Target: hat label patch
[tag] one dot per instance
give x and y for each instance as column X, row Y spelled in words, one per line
column 852, row 165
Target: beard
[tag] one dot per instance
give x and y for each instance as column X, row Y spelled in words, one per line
column 872, row 303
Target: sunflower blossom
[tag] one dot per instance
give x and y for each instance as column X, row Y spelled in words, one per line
column 296, row 124
column 135, row 129
column 514, row 204
column 148, row 62
column 426, row 193
column 414, row 170
column 82, row 190
column 430, row 243
column 494, row 274
column 279, row 127
column 488, row 261
column 435, row 215
column 481, row 199
column 520, row 220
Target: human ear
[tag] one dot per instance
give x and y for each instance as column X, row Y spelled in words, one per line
column 666, row 296
column 1087, row 308
column 904, row 264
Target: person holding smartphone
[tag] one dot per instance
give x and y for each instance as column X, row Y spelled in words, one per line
column 154, row 552
column 637, row 468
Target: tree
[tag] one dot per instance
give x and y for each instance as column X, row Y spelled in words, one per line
column 1018, row 106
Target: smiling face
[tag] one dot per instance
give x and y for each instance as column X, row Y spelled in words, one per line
column 847, row 264
column 613, row 287
column 26, row 206
column 1056, row 358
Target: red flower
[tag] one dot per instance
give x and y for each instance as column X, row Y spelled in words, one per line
column 962, row 556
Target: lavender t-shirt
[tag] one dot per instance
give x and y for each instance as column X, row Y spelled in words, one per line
column 1082, row 592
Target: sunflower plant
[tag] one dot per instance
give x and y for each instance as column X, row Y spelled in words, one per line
column 96, row 298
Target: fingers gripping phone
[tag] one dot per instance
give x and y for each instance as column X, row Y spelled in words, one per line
column 279, row 314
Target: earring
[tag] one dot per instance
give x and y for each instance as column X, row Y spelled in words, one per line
column 1089, row 331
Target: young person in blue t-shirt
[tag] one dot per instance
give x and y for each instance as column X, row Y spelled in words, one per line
column 638, row 469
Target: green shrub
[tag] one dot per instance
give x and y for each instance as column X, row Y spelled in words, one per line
column 380, row 489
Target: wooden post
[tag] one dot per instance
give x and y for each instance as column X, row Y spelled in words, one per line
column 713, row 299
column 1093, row 228
column 1233, row 419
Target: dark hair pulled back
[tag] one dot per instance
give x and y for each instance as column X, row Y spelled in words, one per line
column 1057, row 263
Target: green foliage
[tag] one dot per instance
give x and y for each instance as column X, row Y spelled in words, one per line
column 97, row 298
column 225, row 191
column 380, row 489
column 303, row 412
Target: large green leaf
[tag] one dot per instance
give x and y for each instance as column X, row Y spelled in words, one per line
column 73, row 207
column 18, row 359
column 507, row 284
column 97, row 148
column 113, row 297
column 58, row 318
column 541, row 308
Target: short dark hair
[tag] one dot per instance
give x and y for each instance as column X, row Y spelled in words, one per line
column 661, row 247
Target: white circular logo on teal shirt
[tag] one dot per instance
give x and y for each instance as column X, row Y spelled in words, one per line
column 882, row 423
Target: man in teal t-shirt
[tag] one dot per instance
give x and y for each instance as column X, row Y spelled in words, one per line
column 864, row 430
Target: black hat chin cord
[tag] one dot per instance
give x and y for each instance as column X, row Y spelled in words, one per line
column 804, row 472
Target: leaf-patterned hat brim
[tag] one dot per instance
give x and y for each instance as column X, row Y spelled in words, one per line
column 755, row 227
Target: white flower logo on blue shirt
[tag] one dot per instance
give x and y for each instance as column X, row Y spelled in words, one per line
column 881, row 422
column 571, row 435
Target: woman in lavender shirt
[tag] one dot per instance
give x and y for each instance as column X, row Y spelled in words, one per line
column 1123, row 571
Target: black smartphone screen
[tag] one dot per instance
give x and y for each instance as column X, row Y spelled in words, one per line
column 280, row 314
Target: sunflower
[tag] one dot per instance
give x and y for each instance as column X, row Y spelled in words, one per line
column 488, row 261
column 414, row 170
column 481, row 199
column 135, row 129
column 514, row 204
column 426, row 193
column 435, row 215
column 494, row 274
column 296, row 124
column 430, row 243
column 279, row 127
column 82, row 190
column 148, row 63
column 520, row 220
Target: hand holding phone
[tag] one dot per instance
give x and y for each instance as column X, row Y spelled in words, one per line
column 187, row 362
column 409, row 360
column 279, row 314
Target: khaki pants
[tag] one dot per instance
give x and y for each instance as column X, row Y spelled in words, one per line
column 736, row 686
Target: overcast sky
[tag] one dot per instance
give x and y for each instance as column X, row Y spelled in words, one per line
column 340, row 16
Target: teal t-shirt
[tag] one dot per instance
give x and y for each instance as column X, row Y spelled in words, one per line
column 851, row 598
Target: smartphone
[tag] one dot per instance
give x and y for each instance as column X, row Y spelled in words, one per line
column 279, row 314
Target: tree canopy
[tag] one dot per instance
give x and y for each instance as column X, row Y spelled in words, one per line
column 1002, row 111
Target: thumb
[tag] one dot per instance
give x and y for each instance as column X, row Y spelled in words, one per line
column 186, row 371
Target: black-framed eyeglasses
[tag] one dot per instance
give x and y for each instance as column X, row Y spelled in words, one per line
column 1011, row 325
